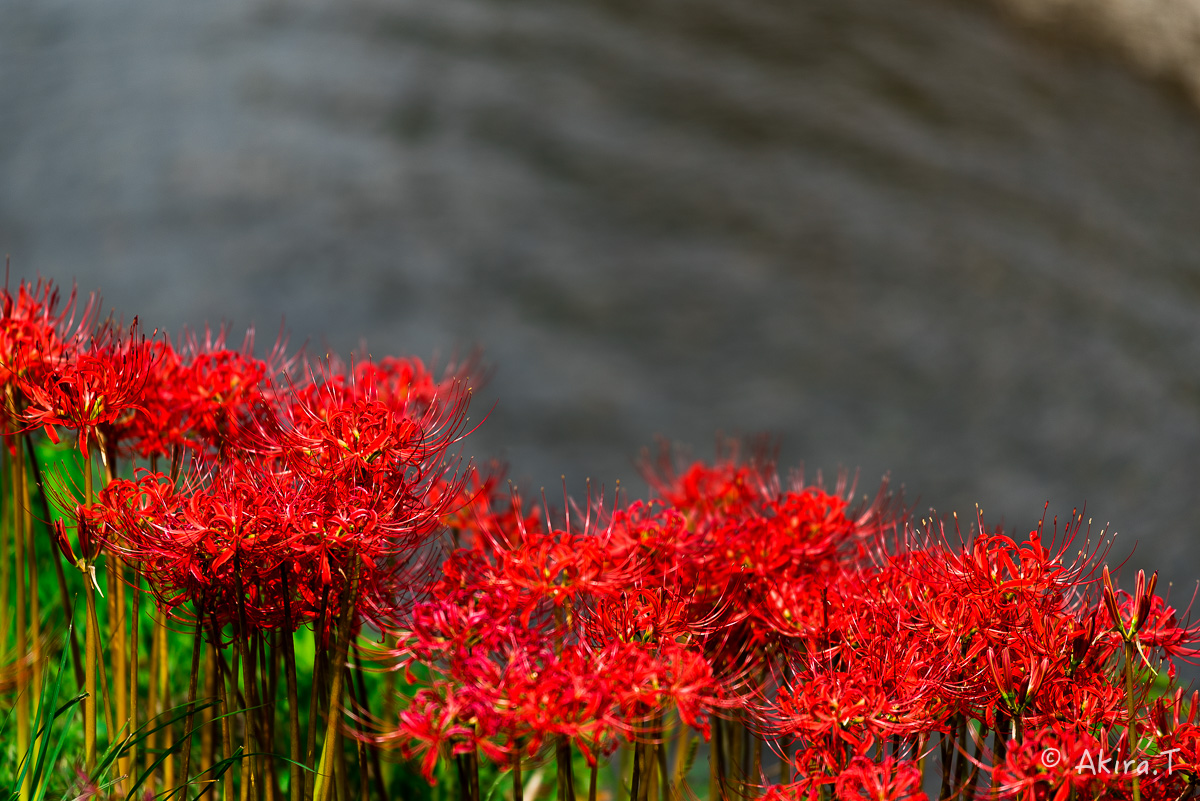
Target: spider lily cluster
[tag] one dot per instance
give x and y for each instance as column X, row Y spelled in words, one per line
column 804, row 641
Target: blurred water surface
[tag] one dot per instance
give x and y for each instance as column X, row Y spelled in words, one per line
column 897, row 233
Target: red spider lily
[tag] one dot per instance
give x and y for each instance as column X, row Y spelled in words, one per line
column 205, row 396
column 522, row 693
column 1016, row 685
column 1160, row 629
column 760, row 559
column 1060, row 669
column 726, row 489
column 1057, row 762
column 406, row 383
column 996, row 593
column 878, row 681
column 157, row 426
column 642, row 615
column 1177, row 737
column 221, row 541
column 545, row 633
column 887, row 779
column 89, row 389
column 404, row 386
column 36, row 326
column 1144, row 620
column 431, row 721
column 1141, row 604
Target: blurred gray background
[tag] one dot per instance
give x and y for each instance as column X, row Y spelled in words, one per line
column 903, row 235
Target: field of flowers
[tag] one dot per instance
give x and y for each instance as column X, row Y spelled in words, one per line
column 234, row 576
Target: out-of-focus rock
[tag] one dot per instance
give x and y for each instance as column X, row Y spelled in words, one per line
column 1160, row 37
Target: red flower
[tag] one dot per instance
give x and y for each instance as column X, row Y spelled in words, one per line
column 36, row 326
column 1053, row 762
column 887, row 779
column 90, row 389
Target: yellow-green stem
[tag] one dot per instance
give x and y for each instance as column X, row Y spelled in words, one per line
column 25, row 616
column 164, row 700
column 226, row 718
column 209, row 735
column 6, row 546
column 240, row 656
column 251, row 762
column 118, row 655
column 133, row 665
column 320, row 668
column 324, row 782
column 296, row 783
column 152, row 705
column 683, row 744
column 716, row 772
column 1131, row 733
column 64, row 593
column 197, row 647
column 90, row 658
column 91, row 638
column 21, row 540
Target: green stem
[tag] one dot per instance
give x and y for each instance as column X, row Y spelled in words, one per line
column 19, row 539
column 226, row 718
column 716, row 767
column 683, row 745
column 565, row 773
column 250, row 775
column 324, row 781
column 320, row 661
column 1131, row 732
column 197, row 648
column 296, row 772
column 518, row 784
column 364, row 702
column 91, row 657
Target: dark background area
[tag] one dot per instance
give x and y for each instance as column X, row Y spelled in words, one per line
column 902, row 235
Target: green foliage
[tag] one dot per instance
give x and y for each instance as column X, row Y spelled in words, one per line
column 39, row 762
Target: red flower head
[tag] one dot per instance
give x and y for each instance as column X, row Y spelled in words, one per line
column 1054, row 762
column 89, row 390
column 888, row 779
column 36, row 326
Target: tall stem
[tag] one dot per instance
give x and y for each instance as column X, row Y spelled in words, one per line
column 1131, row 734
column 19, row 538
column 152, row 706
column 716, row 766
column 250, row 777
column 209, row 734
column 118, row 653
column 365, row 714
column 90, row 658
column 296, row 784
column 197, row 647
column 6, row 546
column 337, row 672
column 518, row 785
column 65, row 595
column 249, row 758
column 164, row 699
column 683, row 745
column 91, row 655
column 566, row 773
column 664, row 783
column 268, row 649
column 226, row 718
column 320, row 659
column 135, row 626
